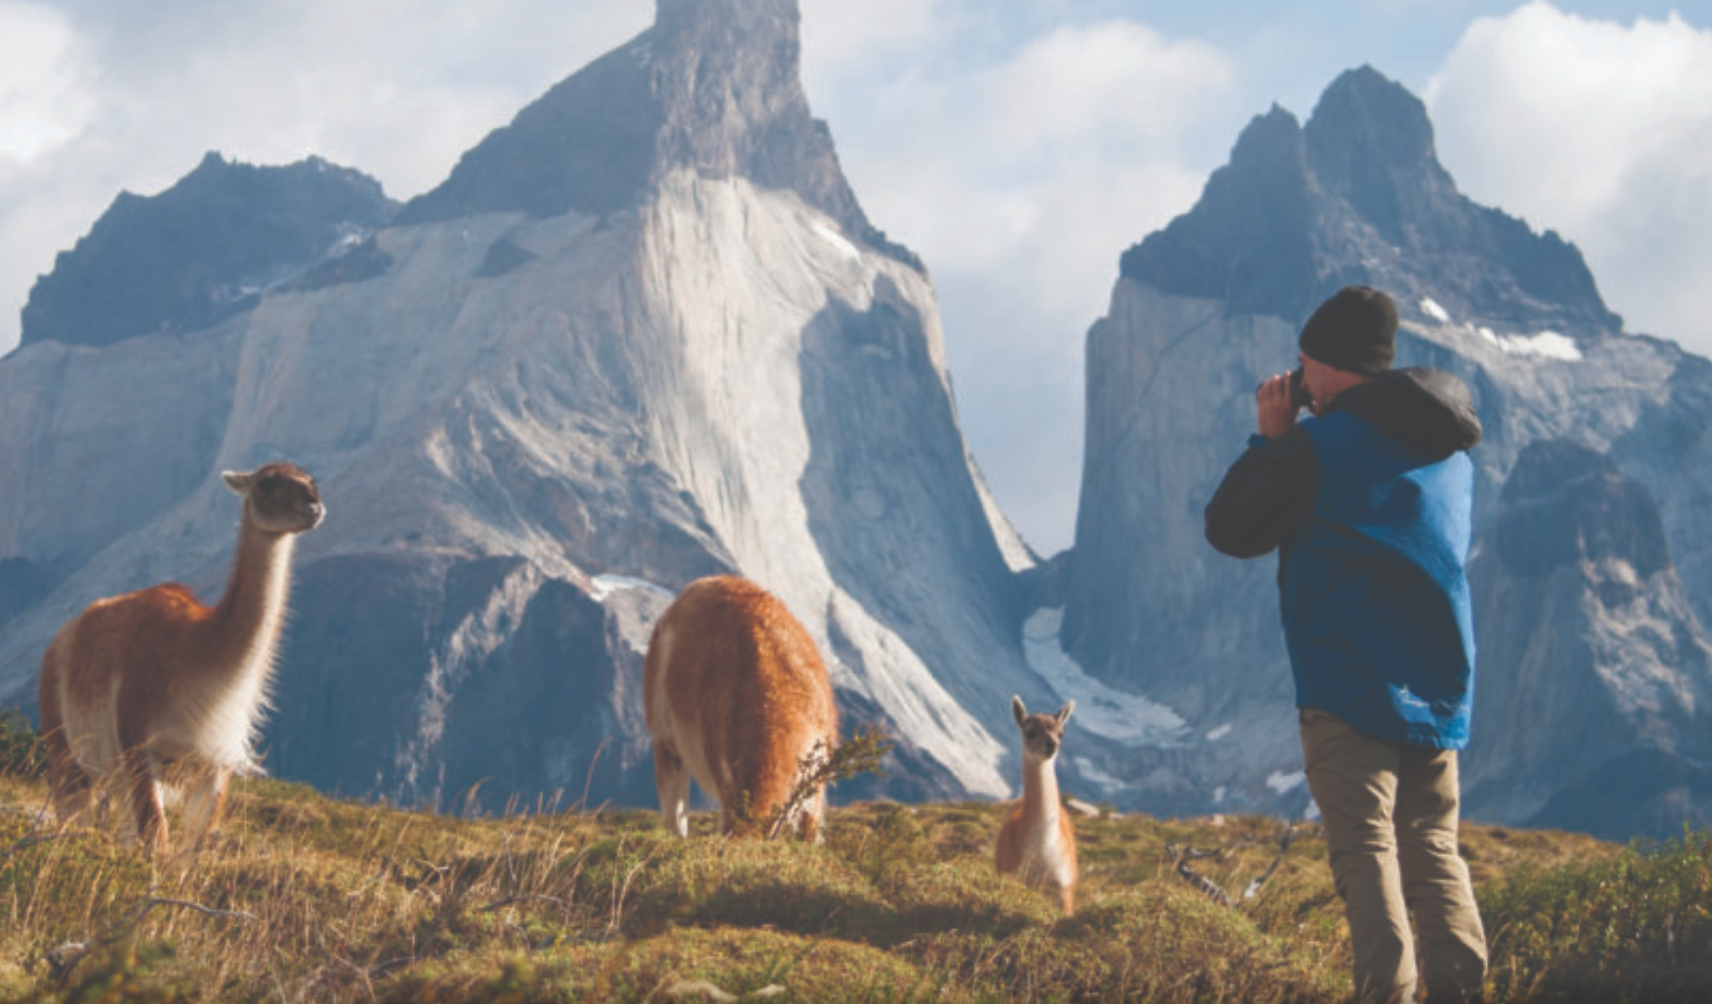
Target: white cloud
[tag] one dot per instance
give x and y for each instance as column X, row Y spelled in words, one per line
column 1019, row 174
column 1601, row 131
column 45, row 85
column 1115, row 77
column 119, row 97
column 840, row 37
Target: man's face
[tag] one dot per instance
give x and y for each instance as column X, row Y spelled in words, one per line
column 1324, row 382
column 1317, row 379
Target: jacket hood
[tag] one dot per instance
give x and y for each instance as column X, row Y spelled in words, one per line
column 1428, row 410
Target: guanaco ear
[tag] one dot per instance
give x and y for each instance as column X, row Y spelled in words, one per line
column 1064, row 713
column 239, row 482
column 1017, row 710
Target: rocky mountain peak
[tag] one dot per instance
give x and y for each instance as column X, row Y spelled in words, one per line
column 727, row 74
column 1371, row 146
column 200, row 251
column 714, row 86
column 1363, row 116
column 1358, row 195
column 1262, row 202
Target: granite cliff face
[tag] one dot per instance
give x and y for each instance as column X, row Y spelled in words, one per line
column 641, row 334
column 1622, row 704
column 1589, row 609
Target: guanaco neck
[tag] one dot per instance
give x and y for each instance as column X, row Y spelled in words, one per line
column 246, row 622
column 1039, row 791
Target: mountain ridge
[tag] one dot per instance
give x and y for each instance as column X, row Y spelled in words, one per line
column 533, row 424
column 619, row 349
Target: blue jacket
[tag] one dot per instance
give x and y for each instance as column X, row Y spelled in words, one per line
column 1369, row 507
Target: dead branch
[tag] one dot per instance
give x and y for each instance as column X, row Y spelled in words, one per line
column 1182, row 855
column 1283, row 845
column 1202, row 884
column 819, row 767
column 64, row 959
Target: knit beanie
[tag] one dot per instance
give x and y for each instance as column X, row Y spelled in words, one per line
column 1355, row 330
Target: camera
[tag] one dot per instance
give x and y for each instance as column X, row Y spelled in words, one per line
column 1299, row 395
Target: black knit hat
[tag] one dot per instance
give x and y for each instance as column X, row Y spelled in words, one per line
column 1355, row 330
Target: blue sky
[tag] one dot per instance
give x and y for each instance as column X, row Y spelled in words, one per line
column 1018, row 146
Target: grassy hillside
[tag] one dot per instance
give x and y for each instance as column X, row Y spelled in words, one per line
column 306, row 898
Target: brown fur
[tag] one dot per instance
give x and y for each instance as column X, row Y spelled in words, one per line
column 736, row 695
column 1037, row 843
column 150, row 692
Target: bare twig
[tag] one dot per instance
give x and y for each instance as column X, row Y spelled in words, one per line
column 524, row 898
column 819, row 767
column 385, row 967
column 203, row 910
column 1283, row 845
column 621, row 892
column 64, row 959
column 40, row 838
column 588, row 779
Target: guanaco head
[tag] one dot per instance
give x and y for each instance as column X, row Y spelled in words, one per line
column 279, row 497
column 1041, row 734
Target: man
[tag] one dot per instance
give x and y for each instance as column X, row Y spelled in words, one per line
column 1368, row 502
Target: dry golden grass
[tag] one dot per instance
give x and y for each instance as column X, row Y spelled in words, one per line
column 304, row 898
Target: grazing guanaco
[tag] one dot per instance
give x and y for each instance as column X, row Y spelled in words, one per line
column 1036, row 842
column 736, row 696
column 153, row 694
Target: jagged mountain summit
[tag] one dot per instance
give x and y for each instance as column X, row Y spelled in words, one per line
column 201, row 251
column 714, row 87
column 641, row 334
column 1206, row 307
column 1358, row 195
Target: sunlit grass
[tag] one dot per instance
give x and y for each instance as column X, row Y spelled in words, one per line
column 300, row 897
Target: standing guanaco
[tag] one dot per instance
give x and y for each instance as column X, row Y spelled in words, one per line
column 1036, row 842
column 155, row 694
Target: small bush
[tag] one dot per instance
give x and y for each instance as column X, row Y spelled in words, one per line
column 1625, row 930
column 22, row 752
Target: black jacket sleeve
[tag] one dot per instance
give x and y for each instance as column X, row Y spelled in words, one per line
column 1265, row 496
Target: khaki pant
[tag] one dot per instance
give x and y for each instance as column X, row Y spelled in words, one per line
column 1390, row 813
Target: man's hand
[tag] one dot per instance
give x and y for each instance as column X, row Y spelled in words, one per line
column 1277, row 415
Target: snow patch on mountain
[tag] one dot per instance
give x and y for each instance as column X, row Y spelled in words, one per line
column 1546, row 344
column 603, row 586
column 1092, row 774
column 1128, row 718
column 837, row 240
